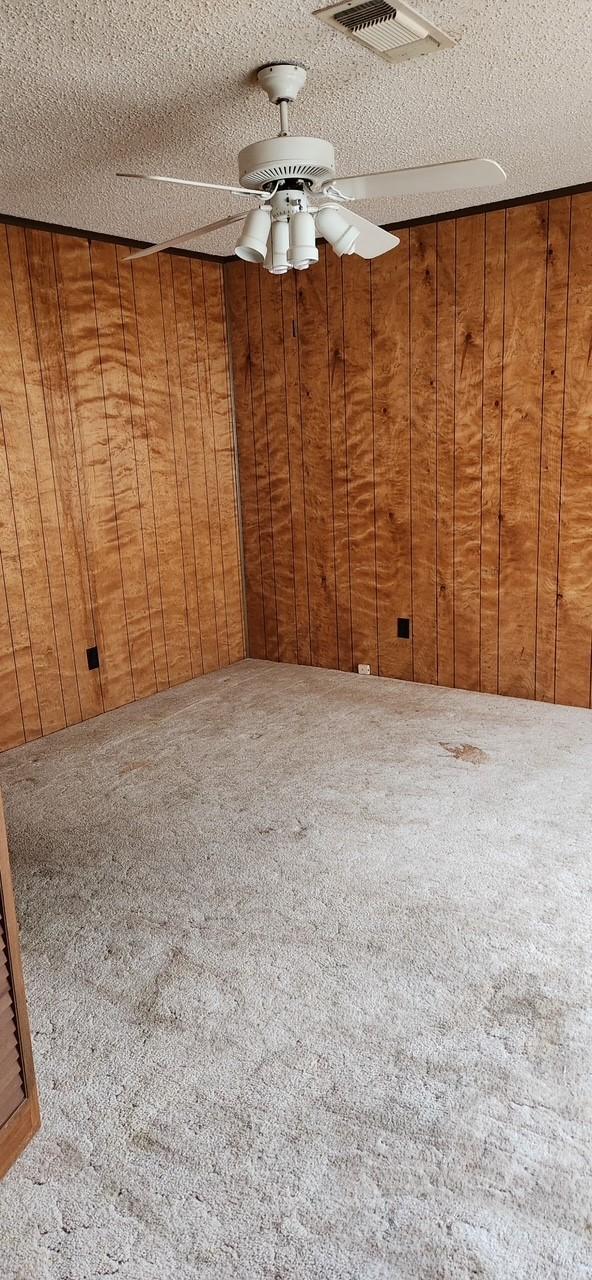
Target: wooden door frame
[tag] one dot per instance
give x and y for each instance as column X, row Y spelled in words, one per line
column 25, row 1121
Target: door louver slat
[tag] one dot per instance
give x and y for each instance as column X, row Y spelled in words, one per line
column 19, row 1108
column 11, row 1071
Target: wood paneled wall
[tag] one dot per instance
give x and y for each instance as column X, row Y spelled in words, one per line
column 415, row 441
column 118, row 510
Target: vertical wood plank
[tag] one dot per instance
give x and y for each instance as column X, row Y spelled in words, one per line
column 120, row 445
column 208, row 637
column 390, row 404
column 493, row 342
column 574, row 614
column 526, row 253
column 224, row 457
column 261, row 428
column 209, row 450
column 143, row 471
column 240, row 644
column 357, row 309
column 66, row 677
column 551, row 440
column 422, row 374
column 311, row 294
column 274, row 389
column 243, row 401
column 16, row 600
column 162, row 466
column 89, row 422
column 42, row 702
column 181, row 469
column 339, row 470
column 296, row 464
column 65, row 465
column 467, row 448
column 445, row 451
column 12, row 730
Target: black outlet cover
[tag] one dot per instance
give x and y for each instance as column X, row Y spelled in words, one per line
column 92, row 657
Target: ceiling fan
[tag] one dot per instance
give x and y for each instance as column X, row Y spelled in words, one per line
column 299, row 196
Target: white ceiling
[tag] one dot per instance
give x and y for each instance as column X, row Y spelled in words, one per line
column 91, row 86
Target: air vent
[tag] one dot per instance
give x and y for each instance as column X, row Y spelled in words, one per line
column 393, row 31
column 281, row 172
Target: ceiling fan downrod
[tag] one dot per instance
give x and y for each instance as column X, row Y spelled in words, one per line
column 284, row 122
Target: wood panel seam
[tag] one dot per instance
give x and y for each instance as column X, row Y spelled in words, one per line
column 110, row 455
column 135, row 453
column 209, row 368
column 140, row 361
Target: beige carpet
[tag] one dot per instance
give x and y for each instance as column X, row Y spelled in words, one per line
column 309, row 966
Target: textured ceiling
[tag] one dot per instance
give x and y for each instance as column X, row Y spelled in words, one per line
column 89, row 87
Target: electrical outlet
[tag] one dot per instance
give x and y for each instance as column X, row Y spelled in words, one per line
column 92, row 658
column 364, row 669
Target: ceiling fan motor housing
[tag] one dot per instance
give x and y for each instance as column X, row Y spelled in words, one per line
column 310, row 161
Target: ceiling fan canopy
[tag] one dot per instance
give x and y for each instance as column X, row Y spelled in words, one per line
column 299, row 196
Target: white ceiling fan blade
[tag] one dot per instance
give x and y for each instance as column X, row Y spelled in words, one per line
column 372, row 240
column 450, row 176
column 187, row 235
column 189, row 182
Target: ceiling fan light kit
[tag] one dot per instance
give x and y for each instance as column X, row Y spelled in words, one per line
column 303, row 250
column 252, row 242
column 300, row 196
column 277, row 249
column 336, row 230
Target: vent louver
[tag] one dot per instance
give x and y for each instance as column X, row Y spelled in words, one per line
column 282, row 172
column 392, row 31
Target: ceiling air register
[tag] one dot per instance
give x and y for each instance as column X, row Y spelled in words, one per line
column 393, row 31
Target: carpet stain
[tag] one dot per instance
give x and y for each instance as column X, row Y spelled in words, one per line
column 465, row 751
column 517, row 1004
column 133, row 765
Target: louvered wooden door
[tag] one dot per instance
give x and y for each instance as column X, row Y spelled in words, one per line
column 19, row 1108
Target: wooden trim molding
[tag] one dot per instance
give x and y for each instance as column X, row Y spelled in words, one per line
column 452, row 214
column 56, row 229
column 531, row 198
column 492, row 207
